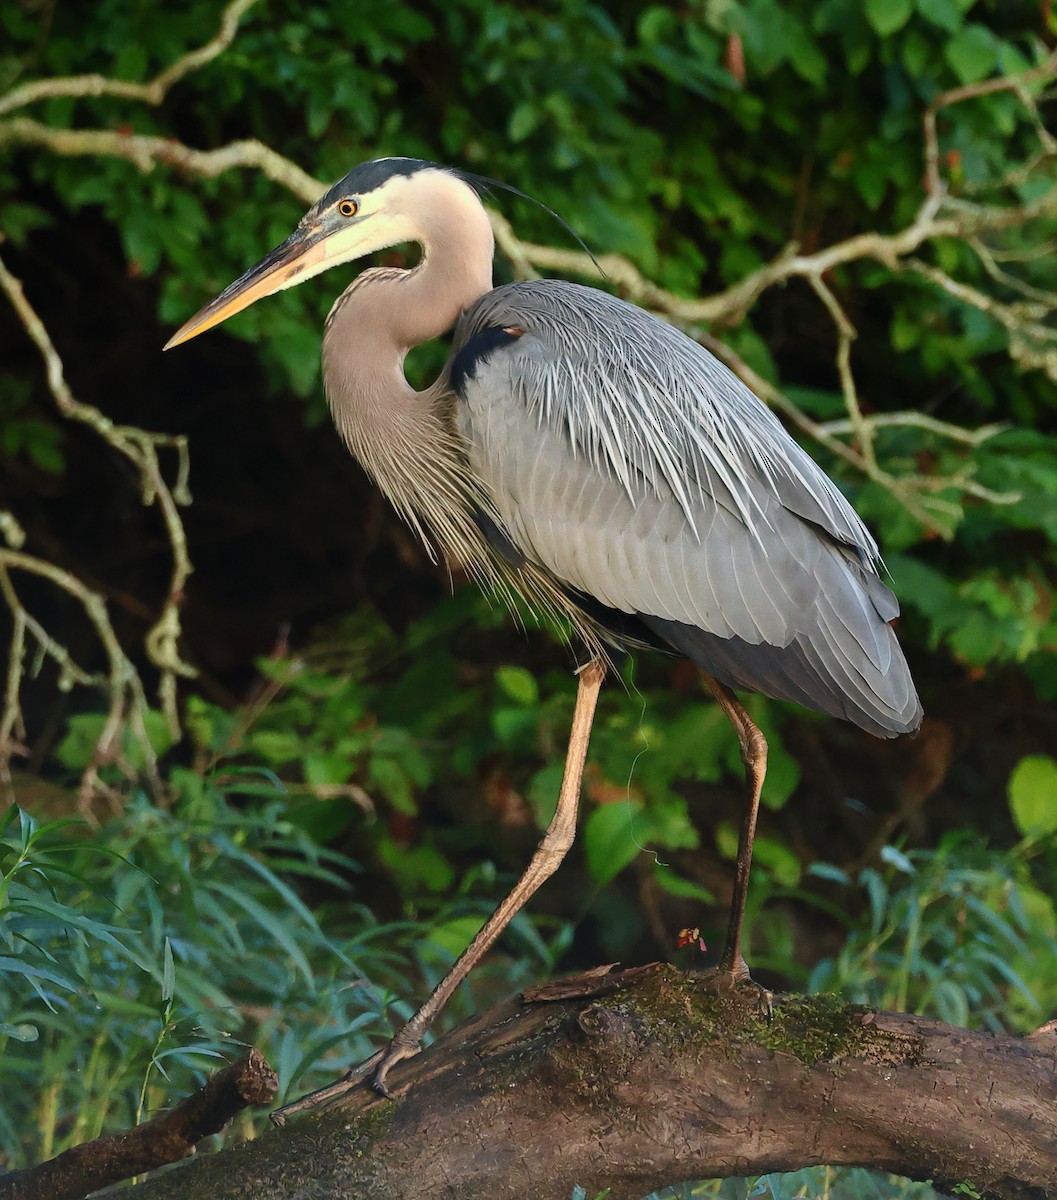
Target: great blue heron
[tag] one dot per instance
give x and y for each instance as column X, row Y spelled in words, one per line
column 585, row 456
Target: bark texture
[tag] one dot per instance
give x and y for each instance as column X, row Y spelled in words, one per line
column 634, row 1080
column 165, row 1139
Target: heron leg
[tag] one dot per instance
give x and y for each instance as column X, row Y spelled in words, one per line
column 754, row 756
column 549, row 854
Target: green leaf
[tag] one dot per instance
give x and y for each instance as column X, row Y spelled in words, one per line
column 519, row 684
column 943, row 13
column 656, row 23
column 17, row 967
column 272, row 924
column 609, row 840
column 515, row 725
column 168, row 975
column 677, row 885
column 971, row 53
column 20, row 1032
column 277, row 747
column 417, row 867
column 778, row 859
column 888, row 16
column 523, row 120
column 388, row 775
column 897, row 859
column 1033, row 795
column 783, row 775
column 726, row 837
column 542, row 792
column 327, row 769
column 667, row 823
column 453, row 936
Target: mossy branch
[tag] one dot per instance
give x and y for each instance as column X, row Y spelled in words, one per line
column 638, row 1080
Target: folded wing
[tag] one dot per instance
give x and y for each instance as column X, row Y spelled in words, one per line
column 631, row 465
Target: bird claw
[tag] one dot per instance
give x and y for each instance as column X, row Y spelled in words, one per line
column 736, row 982
column 395, row 1052
column 372, row 1071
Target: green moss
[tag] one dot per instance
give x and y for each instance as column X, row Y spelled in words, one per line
column 681, row 1007
column 359, row 1132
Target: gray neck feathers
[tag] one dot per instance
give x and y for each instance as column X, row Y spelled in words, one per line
column 405, row 439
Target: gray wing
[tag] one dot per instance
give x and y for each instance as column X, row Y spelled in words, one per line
column 631, row 465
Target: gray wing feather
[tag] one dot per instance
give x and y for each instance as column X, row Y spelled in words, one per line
column 639, row 398
column 633, row 466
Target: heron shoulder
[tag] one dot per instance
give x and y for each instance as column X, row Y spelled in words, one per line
column 641, row 400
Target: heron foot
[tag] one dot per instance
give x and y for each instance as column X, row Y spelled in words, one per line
column 371, row 1071
column 399, row 1048
column 735, row 982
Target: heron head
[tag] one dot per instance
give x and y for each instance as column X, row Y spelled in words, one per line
column 378, row 204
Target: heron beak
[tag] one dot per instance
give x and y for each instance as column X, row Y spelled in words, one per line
column 303, row 254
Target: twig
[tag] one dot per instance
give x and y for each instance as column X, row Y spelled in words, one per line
column 140, row 447
column 846, row 335
column 152, row 92
column 250, row 1082
column 970, row 91
column 121, row 679
column 956, row 433
column 148, row 151
column 1032, row 342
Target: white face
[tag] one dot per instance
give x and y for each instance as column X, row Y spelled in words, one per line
column 349, row 228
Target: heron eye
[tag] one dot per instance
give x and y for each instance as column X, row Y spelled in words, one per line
column 349, row 208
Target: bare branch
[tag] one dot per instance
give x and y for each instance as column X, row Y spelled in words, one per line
column 165, row 1139
column 1032, row 342
column 970, row 91
column 152, row 92
column 956, row 433
column 121, row 680
column 140, row 447
column 846, row 335
column 147, row 152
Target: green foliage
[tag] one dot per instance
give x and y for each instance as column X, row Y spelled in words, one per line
column 132, row 961
column 1033, row 796
column 813, row 1183
column 962, row 933
column 133, row 958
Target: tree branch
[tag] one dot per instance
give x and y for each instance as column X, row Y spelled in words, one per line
column 152, row 92
column 940, row 216
column 127, row 701
column 166, row 1139
column 148, row 151
column 633, row 1081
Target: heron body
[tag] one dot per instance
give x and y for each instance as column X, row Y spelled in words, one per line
column 630, row 464
column 591, row 459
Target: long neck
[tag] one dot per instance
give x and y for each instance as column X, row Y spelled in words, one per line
column 405, row 439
